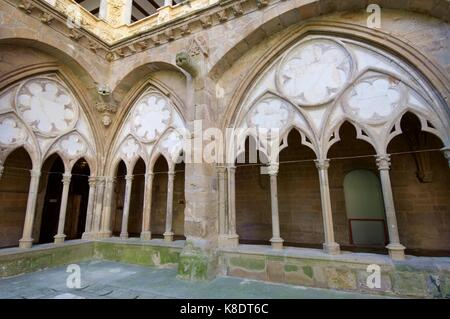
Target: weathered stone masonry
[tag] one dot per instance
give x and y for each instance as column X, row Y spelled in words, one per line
column 107, row 102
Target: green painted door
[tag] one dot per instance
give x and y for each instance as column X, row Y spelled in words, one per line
column 365, row 208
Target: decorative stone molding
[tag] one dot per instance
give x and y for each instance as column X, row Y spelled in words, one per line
column 383, row 162
column 322, row 164
column 446, row 151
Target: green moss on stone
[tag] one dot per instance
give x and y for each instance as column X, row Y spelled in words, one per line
column 290, row 268
column 248, row 263
column 308, row 271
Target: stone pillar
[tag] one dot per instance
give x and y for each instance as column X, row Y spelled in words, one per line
column 60, row 236
column 199, row 259
column 100, row 188
column 330, row 246
column 90, row 207
column 146, row 234
column 105, row 230
column 445, row 150
column 277, row 241
column 233, row 238
column 26, row 241
column 126, row 206
column 396, row 250
column 2, row 168
column 116, row 12
column 167, row 2
column 168, row 234
column 223, row 224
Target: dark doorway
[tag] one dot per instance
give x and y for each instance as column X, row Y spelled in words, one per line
column 52, row 172
column 78, row 200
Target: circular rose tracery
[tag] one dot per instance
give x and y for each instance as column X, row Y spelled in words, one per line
column 46, row 106
column 315, row 71
column 151, row 117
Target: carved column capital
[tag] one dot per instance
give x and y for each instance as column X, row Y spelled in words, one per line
column 66, row 179
column 384, row 162
column 35, row 173
column 446, row 152
column 149, row 175
column 273, row 169
column 129, row 178
column 221, row 170
column 92, row 180
column 171, row 174
column 322, row 164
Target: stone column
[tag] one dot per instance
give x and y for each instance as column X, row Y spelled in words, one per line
column 26, row 241
column 167, row 2
column 223, row 225
column 233, row 238
column 126, row 206
column 277, row 241
column 2, row 168
column 90, row 207
column 168, row 234
column 100, row 188
column 445, row 150
column 330, row 246
column 60, row 236
column 396, row 250
column 146, row 234
column 105, row 230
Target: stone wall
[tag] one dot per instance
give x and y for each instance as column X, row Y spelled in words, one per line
column 344, row 272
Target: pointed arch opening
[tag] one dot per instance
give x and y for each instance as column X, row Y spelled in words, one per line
column 78, row 200
column 137, row 199
column 14, row 185
column 300, row 211
column 118, row 198
column 349, row 155
column 49, row 199
column 159, row 197
column 253, row 208
column 179, row 201
column 421, row 188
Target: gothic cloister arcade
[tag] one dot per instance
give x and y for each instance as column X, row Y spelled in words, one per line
column 332, row 138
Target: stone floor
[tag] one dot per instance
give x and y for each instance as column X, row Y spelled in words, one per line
column 104, row 279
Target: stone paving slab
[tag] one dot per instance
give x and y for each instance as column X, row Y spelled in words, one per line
column 113, row 280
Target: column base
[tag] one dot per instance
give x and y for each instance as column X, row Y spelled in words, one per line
column 146, row 235
column 168, row 236
column 26, row 242
column 104, row 234
column 277, row 243
column 396, row 251
column 226, row 240
column 59, row 238
column 86, row 235
column 332, row 248
column 124, row 235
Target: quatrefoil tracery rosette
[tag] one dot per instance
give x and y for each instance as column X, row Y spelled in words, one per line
column 269, row 113
column 46, row 106
column 374, row 99
column 73, row 146
column 12, row 133
column 314, row 72
column 151, row 117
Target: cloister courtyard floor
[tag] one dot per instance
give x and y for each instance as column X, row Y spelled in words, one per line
column 110, row 280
